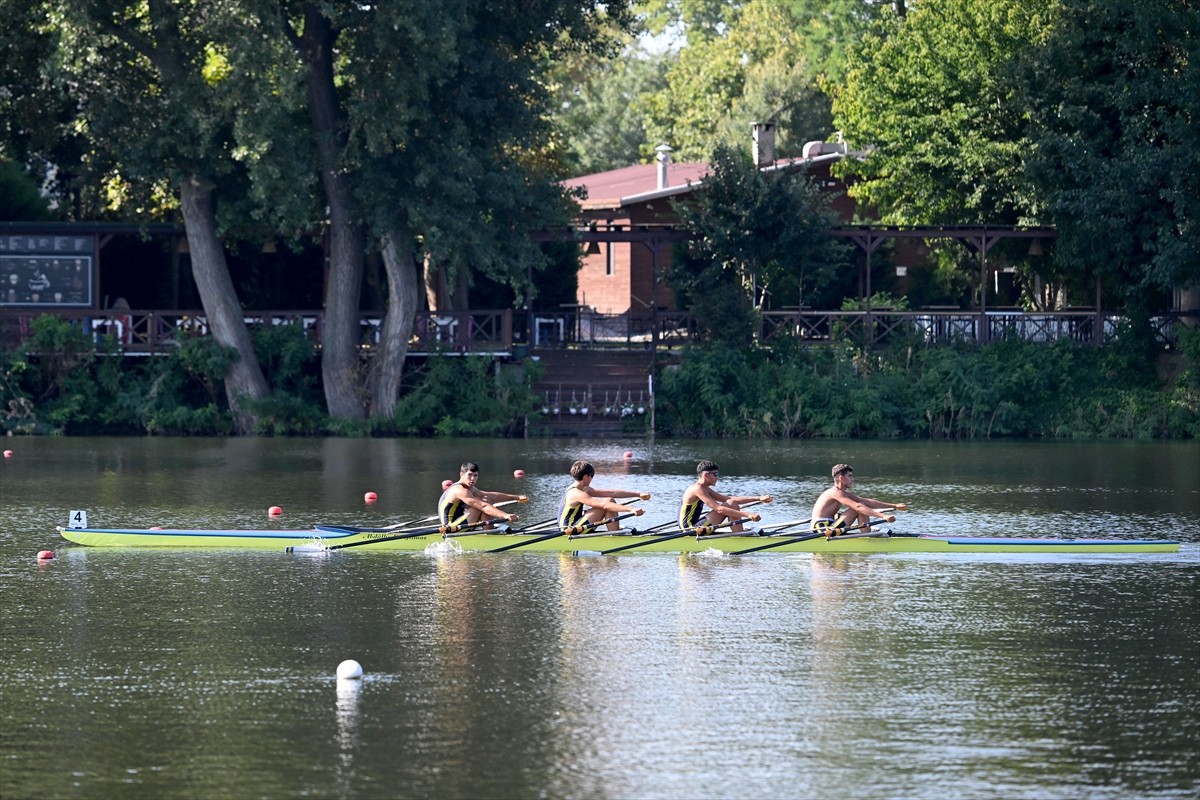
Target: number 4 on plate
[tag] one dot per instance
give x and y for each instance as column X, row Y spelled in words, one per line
column 78, row 519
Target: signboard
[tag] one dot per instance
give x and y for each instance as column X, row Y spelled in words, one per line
column 47, row 271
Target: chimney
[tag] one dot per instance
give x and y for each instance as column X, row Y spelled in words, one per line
column 763, row 134
column 664, row 160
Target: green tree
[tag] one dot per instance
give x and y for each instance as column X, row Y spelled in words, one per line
column 19, row 196
column 153, row 62
column 831, row 29
column 429, row 123
column 36, row 114
column 749, row 65
column 1114, row 99
column 603, row 111
column 757, row 233
column 932, row 96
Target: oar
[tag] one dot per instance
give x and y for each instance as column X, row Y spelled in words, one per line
column 405, row 535
column 678, row 534
column 704, row 537
column 417, row 521
column 533, row 526
column 782, row 526
column 568, row 532
column 782, row 540
column 804, row 537
column 654, row 540
column 320, row 548
column 401, row 527
column 383, row 529
column 395, row 537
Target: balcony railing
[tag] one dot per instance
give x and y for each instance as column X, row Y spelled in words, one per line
column 931, row 326
column 491, row 332
column 156, row 332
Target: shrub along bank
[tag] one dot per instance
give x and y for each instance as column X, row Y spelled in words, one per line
column 61, row 385
column 1002, row 389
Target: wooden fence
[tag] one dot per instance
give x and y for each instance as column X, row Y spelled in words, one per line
column 491, row 332
column 156, row 332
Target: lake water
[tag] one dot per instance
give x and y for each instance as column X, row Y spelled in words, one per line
column 185, row 674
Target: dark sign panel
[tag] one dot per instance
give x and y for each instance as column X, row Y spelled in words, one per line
column 47, row 271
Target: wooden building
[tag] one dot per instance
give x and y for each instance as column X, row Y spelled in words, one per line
column 621, row 277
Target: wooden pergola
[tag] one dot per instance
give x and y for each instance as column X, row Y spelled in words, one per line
column 979, row 238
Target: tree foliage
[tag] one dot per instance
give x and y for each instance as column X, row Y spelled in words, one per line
column 603, row 114
column 749, row 66
column 1113, row 93
column 932, row 97
column 757, row 233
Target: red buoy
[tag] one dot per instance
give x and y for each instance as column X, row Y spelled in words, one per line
column 518, row 473
column 628, row 454
column 8, row 453
column 275, row 511
column 370, row 497
column 446, row 484
column 45, row 555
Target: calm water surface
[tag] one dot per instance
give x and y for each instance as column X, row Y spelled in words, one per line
column 183, row 674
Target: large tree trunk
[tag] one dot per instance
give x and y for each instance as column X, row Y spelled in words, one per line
column 434, row 275
column 341, row 332
column 222, row 309
column 404, row 291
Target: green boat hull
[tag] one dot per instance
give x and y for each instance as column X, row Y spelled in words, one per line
column 314, row 540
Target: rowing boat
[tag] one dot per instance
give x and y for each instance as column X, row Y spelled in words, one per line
column 334, row 537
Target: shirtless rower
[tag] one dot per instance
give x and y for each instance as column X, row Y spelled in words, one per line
column 583, row 504
column 463, row 503
column 829, row 516
column 722, row 508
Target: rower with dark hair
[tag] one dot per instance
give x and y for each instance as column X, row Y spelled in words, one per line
column 584, row 505
column 465, row 504
column 722, row 508
column 830, row 518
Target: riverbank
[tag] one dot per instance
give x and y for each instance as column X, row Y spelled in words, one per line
column 906, row 390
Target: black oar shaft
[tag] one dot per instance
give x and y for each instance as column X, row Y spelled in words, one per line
column 779, row 543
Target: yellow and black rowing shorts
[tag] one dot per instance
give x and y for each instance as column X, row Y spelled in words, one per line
column 829, row 527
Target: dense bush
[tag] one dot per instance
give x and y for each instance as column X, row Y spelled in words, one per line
column 60, row 383
column 1009, row 388
column 465, row 397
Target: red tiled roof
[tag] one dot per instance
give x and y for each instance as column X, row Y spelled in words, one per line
column 605, row 189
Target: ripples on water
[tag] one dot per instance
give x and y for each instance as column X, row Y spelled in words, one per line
column 185, row 674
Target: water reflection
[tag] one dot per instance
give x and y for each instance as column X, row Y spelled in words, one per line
column 348, row 692
column 555, row 675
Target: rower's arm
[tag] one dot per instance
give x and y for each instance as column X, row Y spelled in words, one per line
column 489, row 509
column 758, row 498
column 493, row 497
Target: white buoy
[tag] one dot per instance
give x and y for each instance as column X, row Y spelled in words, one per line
column 349, row 669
